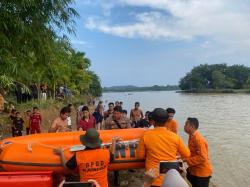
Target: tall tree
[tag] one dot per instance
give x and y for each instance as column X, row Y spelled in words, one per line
column 216, row 76
column 32, row 51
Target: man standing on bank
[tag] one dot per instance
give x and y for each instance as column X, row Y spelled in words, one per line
column 200, row 169
column 60, row 124
column 110, row 111
column 136, row 115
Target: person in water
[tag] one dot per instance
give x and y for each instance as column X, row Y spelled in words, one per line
column 92, row 163
column 200, row 169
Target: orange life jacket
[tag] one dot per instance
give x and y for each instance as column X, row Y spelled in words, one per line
column 93, row 164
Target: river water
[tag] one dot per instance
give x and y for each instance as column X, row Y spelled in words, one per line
column 224, row 122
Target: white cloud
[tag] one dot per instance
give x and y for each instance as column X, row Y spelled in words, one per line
column 224, row 21
column 79, row 42
column 147, row 25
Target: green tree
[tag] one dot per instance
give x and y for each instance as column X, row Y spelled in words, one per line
column 95, row 87
column 31, row 50
column 240, row 74
column 218, row 79
column 216, row 76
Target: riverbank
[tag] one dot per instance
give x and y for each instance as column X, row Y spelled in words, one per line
column 49, row 110
column 223, row 91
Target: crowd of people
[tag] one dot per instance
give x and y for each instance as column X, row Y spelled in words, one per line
column 44, row 92
column 31, row 122
column 160, row 142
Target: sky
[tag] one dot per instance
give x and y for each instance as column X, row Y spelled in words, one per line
column 156, row 42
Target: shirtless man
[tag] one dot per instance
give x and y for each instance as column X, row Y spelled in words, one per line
column 60, row 124
column 136, row 115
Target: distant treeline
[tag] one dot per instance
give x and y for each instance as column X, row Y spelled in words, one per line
column 216, row 76
column 135, row 88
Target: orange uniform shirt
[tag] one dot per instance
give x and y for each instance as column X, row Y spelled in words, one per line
column 93, row 164
column 199, row 163
column 160, row 144
column 172, row 125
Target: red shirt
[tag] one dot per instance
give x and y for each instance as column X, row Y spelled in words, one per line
column 35, row 119
column 85, row 125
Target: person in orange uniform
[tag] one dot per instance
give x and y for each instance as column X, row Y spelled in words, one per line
column 171, row 123
column 160, row 144
column 200, row 169
column 92, row 162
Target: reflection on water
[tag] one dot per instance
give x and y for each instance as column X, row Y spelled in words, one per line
column 224, row 121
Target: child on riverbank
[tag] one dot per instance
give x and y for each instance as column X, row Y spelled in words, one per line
column 18, row 124
column 35, row 121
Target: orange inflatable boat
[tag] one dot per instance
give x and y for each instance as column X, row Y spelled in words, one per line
column 35, row 152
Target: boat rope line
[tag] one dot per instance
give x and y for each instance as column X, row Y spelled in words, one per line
column 30, row 164
column 60, row 165
column 30, row 145
column 127, row 161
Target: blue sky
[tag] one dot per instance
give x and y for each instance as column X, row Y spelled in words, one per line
column 148, row 42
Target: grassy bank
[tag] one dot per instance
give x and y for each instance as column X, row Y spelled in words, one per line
column 49, row 110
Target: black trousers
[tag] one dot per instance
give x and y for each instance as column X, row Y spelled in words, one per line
column 18, row 133
column 27, row 130
column 13, row 131
column 198, row 181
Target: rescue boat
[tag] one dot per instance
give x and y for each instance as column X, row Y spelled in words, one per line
column 35, row 152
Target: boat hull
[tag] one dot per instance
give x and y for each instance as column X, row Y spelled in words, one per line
column 35, row 152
